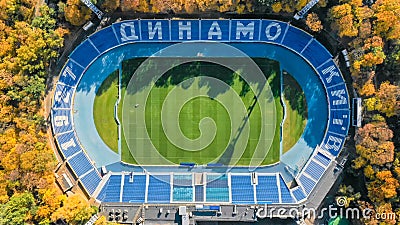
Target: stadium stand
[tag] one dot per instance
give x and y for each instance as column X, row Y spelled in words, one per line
column 71, row 73
column 217, row 188
column 63, row 96
column 80, row 164
column 134, row 191
column 298, row 194
column 91, row 180
column 182, row 188
column 322, row 159
column 267, row 190
column 85, row 53
column 286, row 197
column 199, row 193
column 104, row 39
column 315, row 170
column 242, row 189
column 296, row 39
column 111, row 191
column 307, row 183
column 159, row 190
column 316, row 54
column 61, row 121
column 68, row 147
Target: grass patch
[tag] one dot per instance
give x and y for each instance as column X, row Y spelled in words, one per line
column 103, row 111
column 296, row 112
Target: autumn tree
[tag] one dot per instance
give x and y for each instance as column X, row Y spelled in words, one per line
column 389, row 97
column 370, row 54
column 313, row 22
column 110, row 5
column 276, row 7
column 74, row 210
column 76, row 12
column 383, row 187
column 343, row 20
column 27, row 162
column 166, row 5
column 368, row 89
column 387, row 16
column 373, row 144
column 288, row 5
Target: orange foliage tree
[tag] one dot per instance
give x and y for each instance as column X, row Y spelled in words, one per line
column 373, row 144
column 76, row 12
column 387, row 21
column 389, row 96
column 313, row 22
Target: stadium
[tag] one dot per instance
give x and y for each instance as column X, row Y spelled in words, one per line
column 206, row 133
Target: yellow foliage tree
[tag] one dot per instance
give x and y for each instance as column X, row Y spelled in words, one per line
column 313, row 22
column 388, row 96
column 74, row 210
column 276, row 7
column 387, row 21
column 369, row 172
column 76, row 12
column 110, row 5
column 129, row 5
column 343, row 20
column 368, row 89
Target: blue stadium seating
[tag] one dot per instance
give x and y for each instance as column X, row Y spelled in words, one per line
column 71, row 73
column 159, row 190
column 343, row 116
column 85, row 53
column 182, row 194
column 134, row 191
column 199, row 193
column 111, row 190
column 242, row 190
column 91, row 181
column 298, row 194
column 63, row 125
column 285, row 192
column 217, row 189
column 307, row 183
column 267, row 190
column 80, row 164
column 322, row 159
column 325, row 72
column 63, row 97
column 316, row 54
column 273, row 31
column 104, row 39
column 182, row 188
column 296, row 39
column 183, row 180
column 315, row 170
column 336, row 102
column 66, row 137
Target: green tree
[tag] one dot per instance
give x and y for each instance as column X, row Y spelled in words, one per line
column 18, row 210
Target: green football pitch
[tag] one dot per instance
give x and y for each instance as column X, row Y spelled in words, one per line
column 201, row 128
